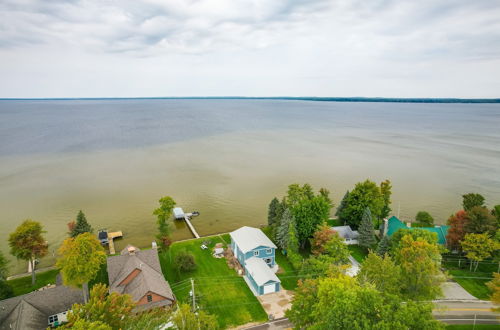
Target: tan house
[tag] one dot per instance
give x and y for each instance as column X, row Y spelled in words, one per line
column 138, row 273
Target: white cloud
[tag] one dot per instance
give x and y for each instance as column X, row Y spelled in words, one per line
column 222, row 47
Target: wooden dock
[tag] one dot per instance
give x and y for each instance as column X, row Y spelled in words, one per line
column 190, row 226
column 111, row 237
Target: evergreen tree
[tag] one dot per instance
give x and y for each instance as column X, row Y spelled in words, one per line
column 384, row 245
column 81, row 225
column 342, row 206
column 366, row 237
column 282, row 235
column 385, row 190
column 424, row 219
column 272, row 212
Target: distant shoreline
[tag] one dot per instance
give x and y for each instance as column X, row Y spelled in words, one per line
column 286, row 98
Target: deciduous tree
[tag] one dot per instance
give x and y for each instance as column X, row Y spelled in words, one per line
column 27, row 243
column 496, row 213
column 184, row 262
column 456, row 232
column 424, row 219
column 341, row 303
column 365, row 194
column 366, row 236
column 320, row 238
column 382, row 272
column 163, row 213
column 415, row 233
column 419, row 261
column 480, row 221
column 477, row 248
column 309, row 210
column 472, row 200
column 113, row 310
column 80, row 260
column 81, row 225
column 4, row 269
column 494, row 286
column 185, row 319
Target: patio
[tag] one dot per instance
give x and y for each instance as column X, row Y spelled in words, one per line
column 276, row 303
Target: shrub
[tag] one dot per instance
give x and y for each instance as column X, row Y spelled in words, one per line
column 184, row 262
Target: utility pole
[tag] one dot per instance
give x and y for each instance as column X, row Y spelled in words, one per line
column 192, row 291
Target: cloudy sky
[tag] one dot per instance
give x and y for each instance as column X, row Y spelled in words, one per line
column 127, row 48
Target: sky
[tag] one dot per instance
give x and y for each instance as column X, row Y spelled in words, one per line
column 142, row 48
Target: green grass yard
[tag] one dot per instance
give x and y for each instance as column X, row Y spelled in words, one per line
column 23, row 285
column 358, row 252
column 219, row 290
column 473, row 282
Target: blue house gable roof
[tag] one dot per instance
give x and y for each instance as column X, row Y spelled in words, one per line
column 394, row 224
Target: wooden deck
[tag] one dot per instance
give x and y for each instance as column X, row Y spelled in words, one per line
column 191, row 227
column 111, row 237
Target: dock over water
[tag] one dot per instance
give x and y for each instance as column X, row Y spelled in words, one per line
column 179, row 215
column 191, row 227
column 111, row 237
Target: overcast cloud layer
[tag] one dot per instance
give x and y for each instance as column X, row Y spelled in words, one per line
column 133, row 48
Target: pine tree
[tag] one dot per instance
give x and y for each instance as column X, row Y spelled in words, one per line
column 342, row 206
column 273, row 211
column 81, row 225
column 383, row 246
column 282, row 235
column 366, row 237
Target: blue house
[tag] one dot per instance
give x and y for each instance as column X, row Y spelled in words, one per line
column 256, row 253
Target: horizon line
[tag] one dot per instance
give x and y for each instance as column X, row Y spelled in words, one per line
column 290, row 98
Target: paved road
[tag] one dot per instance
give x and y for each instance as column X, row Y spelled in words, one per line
column 466, row 312
column 280, row 324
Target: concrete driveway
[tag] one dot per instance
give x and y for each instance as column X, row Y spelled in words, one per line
column 276, row 303
column 453, row 291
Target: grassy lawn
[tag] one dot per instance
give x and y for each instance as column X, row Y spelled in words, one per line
column 23, row 285
column 287, row 274
column 219, row 290
column 473, row 282
column 358, row 252
column 334, row 222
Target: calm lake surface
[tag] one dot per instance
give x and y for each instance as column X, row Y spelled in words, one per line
column 228, row 158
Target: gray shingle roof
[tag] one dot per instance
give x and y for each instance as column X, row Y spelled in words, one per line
column 249, row 238
column 31, row 311
column 149, row 279
column 346, row 232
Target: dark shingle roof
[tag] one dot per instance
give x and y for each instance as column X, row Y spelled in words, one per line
column 31, row 311
column 149, row 279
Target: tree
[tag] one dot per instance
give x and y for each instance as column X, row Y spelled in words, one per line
column 494, row 286
column 472, row 200
column 365, row 194
column 273, row 212
column 381, row 272
column 478, row 247
column 419, row 261
column 424, row 219
column 184, row 262
column 415, row 233
column 341, row 207
column 282, row 235
column 163, row 213
column 27, row 243
column 81, row 226
column 337, row 249
column 185, row 319
column 320, row 238
column 309, row 210
column 456, row 232
column 114, row 310
column 496, row 213
column 385, row 190
column 152, row 319
column 340, row 302
column 293, row 246
column 480, row 221
column 320, row 266
column 366, row 236
column 86, row 325
column 384, row 245
column 4, row 269
column 80, row 260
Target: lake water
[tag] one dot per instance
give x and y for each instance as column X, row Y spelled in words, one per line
column 228, row 158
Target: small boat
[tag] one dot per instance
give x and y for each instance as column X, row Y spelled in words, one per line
column 103, row 236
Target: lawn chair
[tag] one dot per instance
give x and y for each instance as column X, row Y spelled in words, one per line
column 204, row 247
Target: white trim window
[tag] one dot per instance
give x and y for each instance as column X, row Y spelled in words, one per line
column 268, row 260
column 256, row 253
column 269, row 251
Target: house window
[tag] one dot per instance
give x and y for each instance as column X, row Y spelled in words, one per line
column 269, row 251
column 150, row 298
column 255, row 253
column 269, row 260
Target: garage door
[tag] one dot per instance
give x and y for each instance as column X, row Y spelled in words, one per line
column 268, row 288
